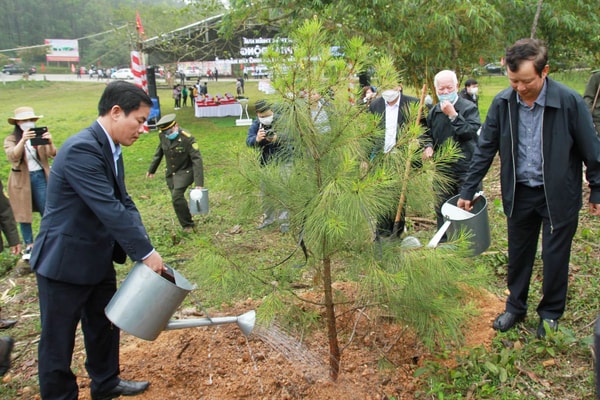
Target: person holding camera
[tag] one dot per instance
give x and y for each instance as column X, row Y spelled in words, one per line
column 183, row 166
column 29, row 159
column 261, row 135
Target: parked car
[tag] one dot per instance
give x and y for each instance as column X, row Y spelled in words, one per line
column 11, row 69
column 123, row 73
column 491, row 69
column 189, row 73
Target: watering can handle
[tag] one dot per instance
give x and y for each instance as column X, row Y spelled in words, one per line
column 478, row 196
column 168, row 274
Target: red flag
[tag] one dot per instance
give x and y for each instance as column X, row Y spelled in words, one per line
column 138, row 24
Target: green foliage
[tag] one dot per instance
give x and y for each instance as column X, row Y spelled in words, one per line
column 344, row 190
column 424, row 37
column 7, row 262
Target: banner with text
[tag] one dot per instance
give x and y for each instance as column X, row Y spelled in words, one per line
column 62, row 50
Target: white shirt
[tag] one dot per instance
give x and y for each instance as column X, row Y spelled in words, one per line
column 33, row 163
column 391, row 125
column 115, row 149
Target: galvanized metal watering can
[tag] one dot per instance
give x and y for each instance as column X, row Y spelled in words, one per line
column 145, row 302
column 475, row 221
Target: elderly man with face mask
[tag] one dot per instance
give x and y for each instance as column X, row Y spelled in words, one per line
column 456, row 119
column 394, row 109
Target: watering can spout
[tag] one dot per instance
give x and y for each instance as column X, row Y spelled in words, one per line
column 245, row 322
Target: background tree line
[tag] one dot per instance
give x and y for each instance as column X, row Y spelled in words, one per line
column 423, row 36
column 106, row 29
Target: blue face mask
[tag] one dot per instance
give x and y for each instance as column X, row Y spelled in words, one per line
column 451, row 97
column 172, row 135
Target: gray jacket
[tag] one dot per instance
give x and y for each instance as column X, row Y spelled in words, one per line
column 568, row 139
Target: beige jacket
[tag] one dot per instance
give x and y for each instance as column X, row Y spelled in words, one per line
column 19, row 185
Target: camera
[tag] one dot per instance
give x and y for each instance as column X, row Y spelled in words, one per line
column 38, row 140
column 269, row 131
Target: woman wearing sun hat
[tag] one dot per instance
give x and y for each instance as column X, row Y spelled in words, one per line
column 29, row 171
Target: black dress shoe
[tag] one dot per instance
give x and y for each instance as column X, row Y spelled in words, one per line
column 6, row 346
column 507, row 320
column 124, row 388
column 541, row 330
column 7, row 323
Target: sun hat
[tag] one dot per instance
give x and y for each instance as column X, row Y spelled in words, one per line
column 23, row 114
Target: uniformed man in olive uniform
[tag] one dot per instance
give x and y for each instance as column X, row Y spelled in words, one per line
column 184, row 165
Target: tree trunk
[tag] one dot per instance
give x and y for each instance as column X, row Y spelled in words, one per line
column 334, row 349
column 536, row 18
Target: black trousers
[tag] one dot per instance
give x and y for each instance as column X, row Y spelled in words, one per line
column 529, row 214
column 62, row 306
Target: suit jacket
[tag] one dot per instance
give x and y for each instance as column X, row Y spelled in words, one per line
column 89, row 219
column 377, row 106
column 7, row 222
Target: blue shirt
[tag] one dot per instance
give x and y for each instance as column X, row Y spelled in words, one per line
column 529, row 157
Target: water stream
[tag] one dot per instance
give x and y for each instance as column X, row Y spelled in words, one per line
column 289, row 347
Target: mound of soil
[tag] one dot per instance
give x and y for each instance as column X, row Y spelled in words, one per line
column 218, row 362
column 379, row 357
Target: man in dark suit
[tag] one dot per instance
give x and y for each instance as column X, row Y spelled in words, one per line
column 394, row 108
column 90, row 221
column 8, row 226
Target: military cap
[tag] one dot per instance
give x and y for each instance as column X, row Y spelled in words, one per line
column 166, row 122
column 262, row 106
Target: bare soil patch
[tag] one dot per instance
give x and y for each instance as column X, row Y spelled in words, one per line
column 219, row 362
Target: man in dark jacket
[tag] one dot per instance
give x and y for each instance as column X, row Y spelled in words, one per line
column 262, row 135
column 453, row 118
column 393, row 107
column 9, row 228
column 470, row 91
column 543, row 131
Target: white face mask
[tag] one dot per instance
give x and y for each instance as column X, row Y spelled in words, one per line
column 266, row 120
column 390, row 95
column 473, row 91
column 27, row 125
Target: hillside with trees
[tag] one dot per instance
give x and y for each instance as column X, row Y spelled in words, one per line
column 106, row 29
